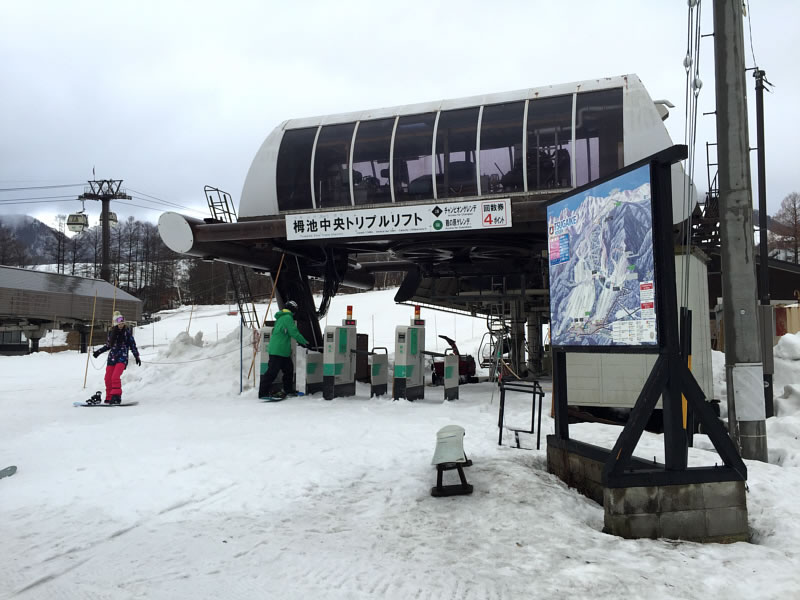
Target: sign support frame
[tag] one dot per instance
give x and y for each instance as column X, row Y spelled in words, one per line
column 670, row 377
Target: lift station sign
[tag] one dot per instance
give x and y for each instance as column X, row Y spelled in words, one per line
column 397, row 220
column 602, row 281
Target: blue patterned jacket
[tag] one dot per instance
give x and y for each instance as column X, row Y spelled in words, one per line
column 119, row 347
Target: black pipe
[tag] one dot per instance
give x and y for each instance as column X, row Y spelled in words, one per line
column 763, row 271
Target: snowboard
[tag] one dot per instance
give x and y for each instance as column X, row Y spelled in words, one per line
column 101, row 404
column 279, row 398
column 8, row 471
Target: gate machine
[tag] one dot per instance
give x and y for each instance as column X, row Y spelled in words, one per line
column 308, row 370
column 451, row 377
column 339, row 359
column 409, row 368
column 379, row 372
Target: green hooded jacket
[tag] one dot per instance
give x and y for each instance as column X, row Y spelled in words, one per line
column 280, row 343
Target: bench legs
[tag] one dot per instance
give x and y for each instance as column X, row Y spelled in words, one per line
column 451, row 490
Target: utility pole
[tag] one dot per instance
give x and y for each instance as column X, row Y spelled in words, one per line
column 105, row 190
column 743, row 366
column 767, row 326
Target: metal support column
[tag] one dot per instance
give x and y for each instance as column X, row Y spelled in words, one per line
column 763, row 247
column 534, row 339
column 517, row 357
column 105, row 266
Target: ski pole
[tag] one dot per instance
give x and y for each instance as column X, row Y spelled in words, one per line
column 91, row 333
column 266, row 315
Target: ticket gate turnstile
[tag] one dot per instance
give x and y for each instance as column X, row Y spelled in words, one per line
column 379, row 372
column 409, row 360
column 339, row 359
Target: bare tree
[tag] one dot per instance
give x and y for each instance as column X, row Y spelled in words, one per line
column 56, row 248
column 789, row 216
column 76, row 252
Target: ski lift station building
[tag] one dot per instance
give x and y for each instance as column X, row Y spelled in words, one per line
column 334, row 192
column 34, row 302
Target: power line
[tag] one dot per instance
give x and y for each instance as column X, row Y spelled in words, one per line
column 169, row 202
column 160, row 202
column 34, row 199
column 42, row 199
column 41, row 187
column 148, row 195
column 140, row 206
column 750, row 29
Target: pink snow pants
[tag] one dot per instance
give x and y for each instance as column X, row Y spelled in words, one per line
column 113, row 382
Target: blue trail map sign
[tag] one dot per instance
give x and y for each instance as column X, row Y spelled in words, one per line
column 602, row 290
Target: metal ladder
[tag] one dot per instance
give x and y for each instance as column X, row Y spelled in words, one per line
column 497, row 329
column 222, row 211
column 498, row 335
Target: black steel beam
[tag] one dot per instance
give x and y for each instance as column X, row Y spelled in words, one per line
column 711, row 424
column 560, row 407
column 621, row 454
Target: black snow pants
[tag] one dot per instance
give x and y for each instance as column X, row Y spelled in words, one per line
column 275, row 365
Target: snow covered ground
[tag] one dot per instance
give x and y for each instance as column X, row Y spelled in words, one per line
column 202, row 492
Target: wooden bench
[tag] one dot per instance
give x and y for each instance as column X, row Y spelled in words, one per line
column 449, row 455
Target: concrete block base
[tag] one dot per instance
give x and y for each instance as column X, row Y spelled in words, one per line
column 699, row 512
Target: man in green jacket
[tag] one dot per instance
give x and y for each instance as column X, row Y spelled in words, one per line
column 280, row 352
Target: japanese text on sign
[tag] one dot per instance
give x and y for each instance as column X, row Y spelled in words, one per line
column 395, row 220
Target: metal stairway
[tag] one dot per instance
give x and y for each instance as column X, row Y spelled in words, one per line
column 222, row 211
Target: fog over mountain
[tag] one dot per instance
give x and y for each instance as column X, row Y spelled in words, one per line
column 35, row 237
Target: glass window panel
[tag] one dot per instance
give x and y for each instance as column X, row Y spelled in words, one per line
column 371, row 162
column 549, row 153
column 412, row 158
column 598, row 134
column 293, row 169
column 501, row 148
column 456, row 136
column 331, row 165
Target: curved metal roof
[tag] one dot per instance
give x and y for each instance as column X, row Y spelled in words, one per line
column 645, row 131
column 40, row 296
column 626, row 81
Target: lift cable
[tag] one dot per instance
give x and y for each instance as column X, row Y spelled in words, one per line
column 693, row 86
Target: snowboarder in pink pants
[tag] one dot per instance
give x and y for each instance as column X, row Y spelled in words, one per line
column 120, row 340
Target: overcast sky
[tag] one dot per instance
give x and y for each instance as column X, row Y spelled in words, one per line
column 171, row 96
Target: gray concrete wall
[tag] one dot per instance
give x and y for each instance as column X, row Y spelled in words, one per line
column 579, row 472
column 699, row 512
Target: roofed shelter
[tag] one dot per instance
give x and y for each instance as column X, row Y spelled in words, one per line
column 34, row 302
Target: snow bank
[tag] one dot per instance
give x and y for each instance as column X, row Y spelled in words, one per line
column 789, row 402
column 788, row 347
